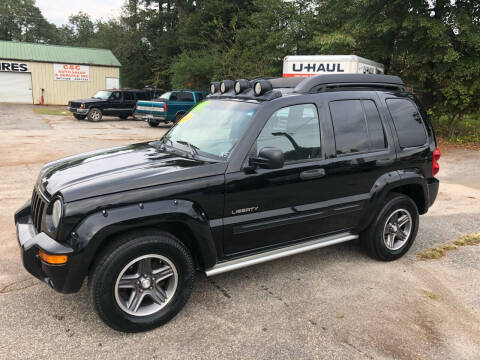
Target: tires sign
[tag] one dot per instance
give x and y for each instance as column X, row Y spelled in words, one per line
column 71, row 72
column 13, row 66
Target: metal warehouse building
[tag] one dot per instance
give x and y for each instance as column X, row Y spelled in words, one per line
column 29, row 72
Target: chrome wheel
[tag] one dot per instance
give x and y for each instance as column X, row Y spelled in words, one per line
column 146, row 284
column 397, row 229
column 95, row 115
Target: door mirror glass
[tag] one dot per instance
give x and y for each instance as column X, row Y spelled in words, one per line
column 268, row 158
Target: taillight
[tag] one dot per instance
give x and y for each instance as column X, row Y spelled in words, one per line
column 165, row 107
column 435, row 164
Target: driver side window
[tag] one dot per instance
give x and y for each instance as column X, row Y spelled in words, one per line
column 295, row 130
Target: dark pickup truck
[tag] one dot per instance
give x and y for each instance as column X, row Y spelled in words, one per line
column 119, row 103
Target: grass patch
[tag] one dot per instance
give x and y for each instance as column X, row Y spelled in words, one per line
column 471, row 239
column 51, row 110
column 436, row 252
column 440, row 251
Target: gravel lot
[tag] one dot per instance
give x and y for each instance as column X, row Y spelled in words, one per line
column 333, row 303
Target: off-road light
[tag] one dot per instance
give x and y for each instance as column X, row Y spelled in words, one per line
column 261, row 87
column 214, row 87
column 52, row 259
column 226, row 85
column 242, row 85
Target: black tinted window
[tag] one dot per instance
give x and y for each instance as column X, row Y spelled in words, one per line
column 174, row 96
column 408, row 122
column 295, row 130
column 185, row 96
column 357, row 126
column 116, row 96
column 349, row 126
column 376, row 132
column 128, row 96
column 142, row 96
column 200, row 96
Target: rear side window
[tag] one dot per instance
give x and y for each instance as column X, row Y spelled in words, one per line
column 128, row 96
column 408, row 122
column 142, row 96
column 357, row 126
column 185, row 96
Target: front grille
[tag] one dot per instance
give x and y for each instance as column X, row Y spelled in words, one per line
column 38, row 208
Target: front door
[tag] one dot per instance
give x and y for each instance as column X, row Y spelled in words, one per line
column 270, row 207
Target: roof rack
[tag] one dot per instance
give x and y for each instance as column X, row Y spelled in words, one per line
column 322, row 83
column 277, row 87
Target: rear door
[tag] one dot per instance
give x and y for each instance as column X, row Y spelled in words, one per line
column 364, row 148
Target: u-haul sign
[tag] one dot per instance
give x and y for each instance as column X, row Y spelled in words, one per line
column 71, row 72
column 309, row 65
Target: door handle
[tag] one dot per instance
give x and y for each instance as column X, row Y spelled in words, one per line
column 312, row 174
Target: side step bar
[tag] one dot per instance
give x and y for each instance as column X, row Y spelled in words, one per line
column 226, row 266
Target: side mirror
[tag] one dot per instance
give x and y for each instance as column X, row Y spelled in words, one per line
column 268, row 158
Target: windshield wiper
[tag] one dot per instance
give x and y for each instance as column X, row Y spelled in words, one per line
column 193, row 148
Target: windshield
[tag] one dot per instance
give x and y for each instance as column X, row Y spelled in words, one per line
column 213, row 126
column 102, row 94
column 165, row 96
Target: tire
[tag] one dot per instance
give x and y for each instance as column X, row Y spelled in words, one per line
column 112, row 303
column 153, row 124
column 123, row 117
column 385, row 242
column 79, row 117
column 95, row 114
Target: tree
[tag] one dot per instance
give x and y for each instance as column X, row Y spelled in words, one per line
column 21, row 20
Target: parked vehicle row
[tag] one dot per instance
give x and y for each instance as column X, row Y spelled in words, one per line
column 258, row 171
column 146, row 104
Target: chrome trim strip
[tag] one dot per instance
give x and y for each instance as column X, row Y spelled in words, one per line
column 318, row 243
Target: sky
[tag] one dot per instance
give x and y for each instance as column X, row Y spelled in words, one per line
column 58, row 11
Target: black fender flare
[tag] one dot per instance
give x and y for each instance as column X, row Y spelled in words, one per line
column 387, row 183
column 90, row 234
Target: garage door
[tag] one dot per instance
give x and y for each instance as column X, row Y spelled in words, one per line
column 16, row 87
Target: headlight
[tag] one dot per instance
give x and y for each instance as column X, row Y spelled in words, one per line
column 82, row 106
column 57, row 212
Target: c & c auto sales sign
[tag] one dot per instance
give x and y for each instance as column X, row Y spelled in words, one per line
column 70, row 72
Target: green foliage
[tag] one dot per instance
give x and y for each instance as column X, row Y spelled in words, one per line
column 434, row 45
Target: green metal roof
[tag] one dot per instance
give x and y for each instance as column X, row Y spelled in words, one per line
column 13, row 50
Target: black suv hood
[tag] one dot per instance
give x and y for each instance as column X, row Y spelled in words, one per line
column 86, row 101
column 120, row 169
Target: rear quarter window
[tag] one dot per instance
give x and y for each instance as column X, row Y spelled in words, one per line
column 408, row 122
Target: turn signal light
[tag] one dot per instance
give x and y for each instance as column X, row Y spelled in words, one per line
column 53, row 259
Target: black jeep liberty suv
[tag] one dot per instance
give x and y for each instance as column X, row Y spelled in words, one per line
column 259, row 170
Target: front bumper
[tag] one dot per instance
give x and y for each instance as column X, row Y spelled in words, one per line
column 78, row 111
column 30, row 242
